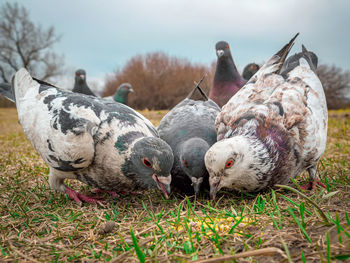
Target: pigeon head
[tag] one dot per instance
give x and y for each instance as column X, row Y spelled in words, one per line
column 80, row 76
column 223, row 50
column 250, row 70
column 150, row 162
column 237, row 163
column 122, row 93
column 191, row 157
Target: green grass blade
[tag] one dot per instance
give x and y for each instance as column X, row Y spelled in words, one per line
column 290, row 211
column 139, row 252
column 324, row 217
column 328, row 248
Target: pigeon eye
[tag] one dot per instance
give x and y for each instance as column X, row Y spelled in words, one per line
column 229, row 164
column 146, row 162
column 226, row 46
column 185, row 163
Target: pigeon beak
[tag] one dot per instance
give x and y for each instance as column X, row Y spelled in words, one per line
column 196, row 183
column 82, row 76
column 196, row 187
column 214, row 189
column 220, row 53
column 131, row 90
column 163, row 184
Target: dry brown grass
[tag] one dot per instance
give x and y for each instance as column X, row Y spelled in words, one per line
column 40, row 225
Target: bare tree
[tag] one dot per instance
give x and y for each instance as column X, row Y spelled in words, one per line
column 23, row 44
column 336, row 85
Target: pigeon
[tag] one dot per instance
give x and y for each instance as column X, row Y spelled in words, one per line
column 189, row 130
column 272, row 130
column 104, row 144
column 293, row 61
column 250, row 70
column 227, row 80
column 80, row 85
column 122, row 94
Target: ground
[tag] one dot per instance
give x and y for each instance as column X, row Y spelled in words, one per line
column 38, row 224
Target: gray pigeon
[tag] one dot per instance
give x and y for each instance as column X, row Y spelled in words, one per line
column 250, row 70
column 272, row 130
column 104, row 144
column 80, row 85
column 293, row 61
column 122, row 94
column 189, row 130
column 227, row 80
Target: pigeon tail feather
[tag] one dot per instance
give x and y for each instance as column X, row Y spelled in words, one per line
column 282, row 54
column 6, row 91
column 307, row 56
column 197, row 87
column 22, row 81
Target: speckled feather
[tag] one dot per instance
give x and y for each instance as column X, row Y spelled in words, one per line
column 86, row 138
column 189, row 122
column 273, row 129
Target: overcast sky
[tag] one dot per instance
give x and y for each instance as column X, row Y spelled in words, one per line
column 101, row 35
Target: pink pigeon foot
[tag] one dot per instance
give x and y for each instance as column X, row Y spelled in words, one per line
column 80, row 198
column 312, row 185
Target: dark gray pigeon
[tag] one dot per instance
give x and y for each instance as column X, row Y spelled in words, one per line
column 104, row 144
column 189, row 130
column 227, row 80
column 122, row 93
column 250, row 70
column 80, row 85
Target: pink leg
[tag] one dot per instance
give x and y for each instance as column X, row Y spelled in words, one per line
column 80, row 198
column 312, row 185
column 314, row 180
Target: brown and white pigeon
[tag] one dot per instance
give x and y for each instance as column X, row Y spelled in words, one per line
column 104, row 144
column 227, row 80
column 272, row 130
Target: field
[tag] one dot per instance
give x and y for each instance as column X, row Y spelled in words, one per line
column 281, row 225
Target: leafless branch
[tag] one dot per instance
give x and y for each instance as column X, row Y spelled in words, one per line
column 24, row 44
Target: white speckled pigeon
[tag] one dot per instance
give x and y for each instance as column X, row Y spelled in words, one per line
column 122, row 93
column 104, row 144
column 189, row 129
column 80, row 85
column 272, row 130
column 250, row 70
column 227, row 80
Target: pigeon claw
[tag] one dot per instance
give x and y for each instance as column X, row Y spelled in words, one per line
column 80, row 198
column 312, row 185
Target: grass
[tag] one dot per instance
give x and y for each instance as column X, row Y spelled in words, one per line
column 40, row 225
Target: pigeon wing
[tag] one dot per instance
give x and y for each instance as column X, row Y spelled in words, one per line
column 60, row 131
